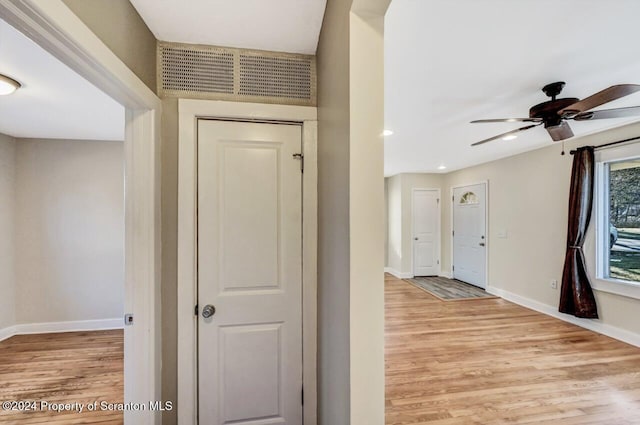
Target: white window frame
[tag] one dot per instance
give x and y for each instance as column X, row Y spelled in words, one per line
column 597, row 240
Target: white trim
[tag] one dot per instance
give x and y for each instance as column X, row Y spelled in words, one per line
column 58, row 327
column 617, row 287
column 52, row 25
column 76, row 326
column 8, row 332
column 486, row 228
column 593, row 325
column 446, row 275
column 399, row 275
column 189, row 111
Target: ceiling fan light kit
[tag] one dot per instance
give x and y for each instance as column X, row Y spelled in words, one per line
column 555, row 113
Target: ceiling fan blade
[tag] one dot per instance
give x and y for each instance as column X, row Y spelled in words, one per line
column 608, row 113
column 508, row 133
column 600, row 98
column 560, row 132
column 508, row 120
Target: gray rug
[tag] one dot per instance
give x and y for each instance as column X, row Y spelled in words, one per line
column 449, row 289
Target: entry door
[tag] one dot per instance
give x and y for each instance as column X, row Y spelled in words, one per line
column 250, row 270
column 426, row 222
column 469, row 234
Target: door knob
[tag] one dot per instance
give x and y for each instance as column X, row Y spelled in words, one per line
column 481, row 243
column 208, row 311
column 415, row 239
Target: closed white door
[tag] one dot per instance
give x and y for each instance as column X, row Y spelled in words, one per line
column 469, row 234
column 425, row 224
column 250, row 270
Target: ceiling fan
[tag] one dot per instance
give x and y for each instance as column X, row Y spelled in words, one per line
column 555, row 113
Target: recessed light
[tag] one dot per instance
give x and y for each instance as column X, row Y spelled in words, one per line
column 442, row 167
column 387, row 133
column 8, row 85
column 510, row 137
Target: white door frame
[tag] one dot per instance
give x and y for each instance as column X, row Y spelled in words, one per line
column 53, row 26
column 486, row 228
column 439, row 237
column 189, row 111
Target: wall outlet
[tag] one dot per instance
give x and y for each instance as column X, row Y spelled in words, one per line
column 554, row 284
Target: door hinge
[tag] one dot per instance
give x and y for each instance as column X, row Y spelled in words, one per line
column 195, row 310
column 438, row 200
column 302, row 395
column 438, row 262
column 301, row 158
column 453, row 268
column 453, row 233
column 453, row 198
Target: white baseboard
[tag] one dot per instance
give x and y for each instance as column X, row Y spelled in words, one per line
column 399, row 275
column 448, row 275
column 8, row 332
column 591, row 324
column 55, row 327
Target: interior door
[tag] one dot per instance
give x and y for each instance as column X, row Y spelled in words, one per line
column 250, row 271
column 469, row 234
column 425, row 222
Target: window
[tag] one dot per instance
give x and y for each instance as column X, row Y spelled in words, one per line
column 618, row 217
column 469, row 198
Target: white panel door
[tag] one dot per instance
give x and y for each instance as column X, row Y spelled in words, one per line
column 469, row 237
column 425, row 224
column 250, row 270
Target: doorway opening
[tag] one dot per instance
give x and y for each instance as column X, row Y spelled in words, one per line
column 62, row 285
column 55, row 28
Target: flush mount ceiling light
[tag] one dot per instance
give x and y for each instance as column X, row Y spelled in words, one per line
column 8, row 85
column 442, row 167
column 387, row 133
column 510, row 137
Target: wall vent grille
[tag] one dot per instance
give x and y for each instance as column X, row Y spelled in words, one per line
column 208, row 72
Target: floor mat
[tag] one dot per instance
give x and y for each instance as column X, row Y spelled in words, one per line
column 449, row 289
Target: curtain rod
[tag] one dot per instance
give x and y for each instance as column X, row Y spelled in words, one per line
column 610, row 144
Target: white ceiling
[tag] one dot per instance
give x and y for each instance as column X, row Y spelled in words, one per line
column 54, row 102
column 448, row 62
column 279, row 25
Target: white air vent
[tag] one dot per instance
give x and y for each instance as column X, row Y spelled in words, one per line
column 208, row 72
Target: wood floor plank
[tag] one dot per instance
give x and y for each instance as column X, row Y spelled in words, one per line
column 489, row 361
column 81, row 367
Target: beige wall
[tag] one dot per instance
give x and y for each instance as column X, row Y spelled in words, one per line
column 394, row 222
column 120, row 27
column 528, row 198
column 333, row 216
column 69, row 223
column 170, row 257
column 7, row 257
column 351, row 215
column 366, row 218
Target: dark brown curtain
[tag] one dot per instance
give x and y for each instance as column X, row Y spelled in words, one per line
column 576, row 296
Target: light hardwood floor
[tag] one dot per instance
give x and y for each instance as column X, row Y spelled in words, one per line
column 492, row 362
column 69, row 367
